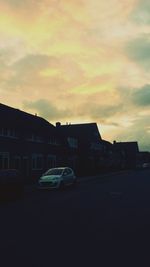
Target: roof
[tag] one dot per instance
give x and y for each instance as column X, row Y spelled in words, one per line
column 107, row 144
column 130, row 147
column 86, row 130
column 16, row 117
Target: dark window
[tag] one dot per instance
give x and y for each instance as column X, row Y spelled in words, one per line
column 4, row 160
column 51, row 161
column 37, row 161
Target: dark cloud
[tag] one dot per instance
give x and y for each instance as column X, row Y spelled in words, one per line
column 139, row 51
column 142, row 96
column 46, row 109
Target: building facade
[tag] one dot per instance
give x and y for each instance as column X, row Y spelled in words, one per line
column 85, row 146
column 27, row 143
column 32, row 145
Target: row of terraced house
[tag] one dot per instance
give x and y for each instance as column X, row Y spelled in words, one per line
column 32, row 145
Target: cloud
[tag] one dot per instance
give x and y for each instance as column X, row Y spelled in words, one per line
column 103, row 107
column 138, row 131
column 142, row 96
column 139, row 51
column 102, row 112
column 38, row 72
column 76, row 60
column 141, row 13
column 47, row 110
column 24, row 72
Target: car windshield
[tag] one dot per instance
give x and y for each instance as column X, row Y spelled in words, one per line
column 54, row 172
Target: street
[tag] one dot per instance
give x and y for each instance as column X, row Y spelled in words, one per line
column 104, row 222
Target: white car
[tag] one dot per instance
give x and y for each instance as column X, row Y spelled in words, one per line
column 57, row 178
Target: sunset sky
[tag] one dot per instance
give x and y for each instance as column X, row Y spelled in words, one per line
column 79, row 61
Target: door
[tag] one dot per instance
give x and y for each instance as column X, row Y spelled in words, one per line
column 68, row 176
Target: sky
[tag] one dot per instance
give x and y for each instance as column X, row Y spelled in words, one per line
column 79, row 61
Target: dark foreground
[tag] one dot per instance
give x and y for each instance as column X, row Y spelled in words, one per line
column 98, row 223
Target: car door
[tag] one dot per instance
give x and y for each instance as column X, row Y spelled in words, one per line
column 70, row 176
column 67, row 176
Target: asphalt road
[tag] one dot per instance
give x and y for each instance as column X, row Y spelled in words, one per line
column 98, row 223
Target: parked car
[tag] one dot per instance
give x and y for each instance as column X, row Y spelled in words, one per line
column 11, row 184
column 57, row 178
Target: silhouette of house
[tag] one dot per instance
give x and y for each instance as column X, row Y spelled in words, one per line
column 31, row 144
column 85, row 145
column 27, row 142
column 144, row 157
column 128, row 153
column 107, row 156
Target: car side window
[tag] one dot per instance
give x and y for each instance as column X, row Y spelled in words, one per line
column 65, row 173
column 69, row 171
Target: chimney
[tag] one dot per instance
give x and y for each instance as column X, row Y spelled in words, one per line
column 58, row 124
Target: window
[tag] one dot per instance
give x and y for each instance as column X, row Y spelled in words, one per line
column 73, row 142
column 96, row 146
column 69, row 171
column 34, row 138
column 4, row 160
column 38, row 139
column 37, row 162
column 51, row 161
column 8, row 132
column 1, row 131
column 52, row 141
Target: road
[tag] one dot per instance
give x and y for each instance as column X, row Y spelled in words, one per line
column 98, row 223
